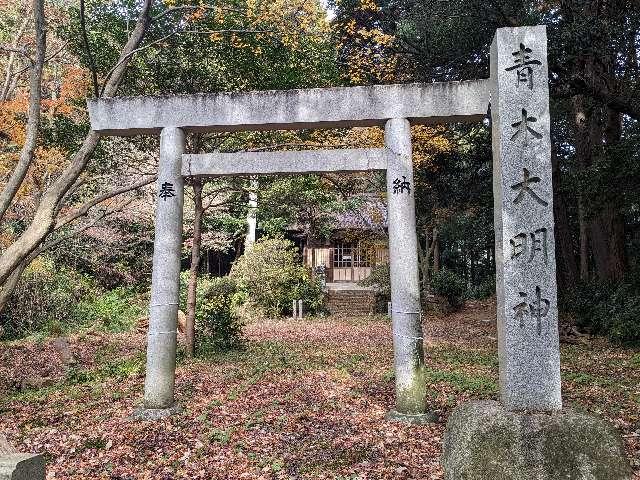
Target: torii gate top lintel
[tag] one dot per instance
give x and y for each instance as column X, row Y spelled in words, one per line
column 420, row 103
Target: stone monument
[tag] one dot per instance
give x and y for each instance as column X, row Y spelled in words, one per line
column 527, row 435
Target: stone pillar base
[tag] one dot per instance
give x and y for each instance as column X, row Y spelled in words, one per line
column 142, row 413
column 484, row 441
column 22, row 466
column 416, row 419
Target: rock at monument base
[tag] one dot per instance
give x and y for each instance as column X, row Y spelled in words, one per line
column 22, row 466
column 484, row 441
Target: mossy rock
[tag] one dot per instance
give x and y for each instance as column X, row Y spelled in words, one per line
column 484, row 441
column 22, row 466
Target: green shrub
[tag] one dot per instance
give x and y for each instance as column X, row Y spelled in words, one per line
column 113, row 311
column 483, row 290
column 272, row 277
column 45, row 300
column 450, row 285
column 380, row 280
column 607, row 309
column 217, row 326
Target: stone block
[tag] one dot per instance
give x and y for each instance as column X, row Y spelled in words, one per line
column 527, row 307
column 22, row 466
column 484, row 441
column 281, row 163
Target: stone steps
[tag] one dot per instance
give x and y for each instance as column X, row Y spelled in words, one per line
column 353, row 302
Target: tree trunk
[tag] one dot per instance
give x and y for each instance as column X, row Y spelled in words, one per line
column 584, row 241
column 598, row 126
column 45, row 216
column 607, row 240
column 193, row 271
column 423, row 263
column 565, row 254
column 10, row 284
column 583, row 130
column 436, row 250
column 607, row 227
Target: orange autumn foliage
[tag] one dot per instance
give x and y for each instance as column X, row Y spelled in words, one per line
column 369, row 57
column 49, row 161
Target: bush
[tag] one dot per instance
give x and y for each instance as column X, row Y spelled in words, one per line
column 114, row 311
column 612, row 310
column 217, row 324
column 449, row 285
column 45, row 300
column 272, row 277
column 380, row 280
column 483, row 290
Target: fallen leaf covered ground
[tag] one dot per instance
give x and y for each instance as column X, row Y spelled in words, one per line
column 306, row 400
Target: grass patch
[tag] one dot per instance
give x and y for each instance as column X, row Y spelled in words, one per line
column 113, row 311
column 119, row 369
column 457, row 356
column 221, row 436
column 74, row 377
column 260, row 359
column 334, row 459
column 31, row 395
column 463, row 382
column 584, row 379
column 351, row 363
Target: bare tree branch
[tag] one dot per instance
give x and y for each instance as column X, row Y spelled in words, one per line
column 53, row 55
column 85, row 39
column 12, row 57
column 229, row 30
column 94, row 222
column 14, row 49
column 168, row 36
column 127, row 57
column 33, row 122
column 84, row 209
column 44, row 219
column 11, row 283
column 193, row 7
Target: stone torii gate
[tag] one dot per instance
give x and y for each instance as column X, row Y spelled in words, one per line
column 393, row 106
column 527, row 434
column 520, row 125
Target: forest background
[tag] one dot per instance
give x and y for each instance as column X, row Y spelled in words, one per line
column 76, row 212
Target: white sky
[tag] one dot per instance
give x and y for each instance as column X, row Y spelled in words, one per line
column 330, row 13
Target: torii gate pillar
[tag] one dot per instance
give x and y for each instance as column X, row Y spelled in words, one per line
column 165, row 278
column 408, row 346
